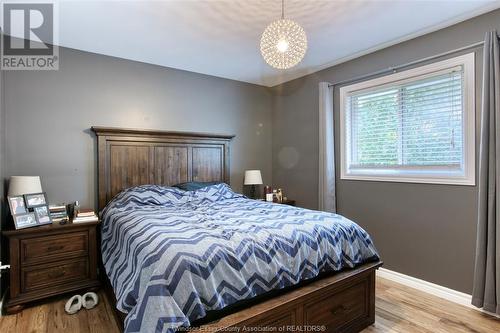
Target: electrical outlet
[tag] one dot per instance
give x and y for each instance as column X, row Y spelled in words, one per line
column 2, row 267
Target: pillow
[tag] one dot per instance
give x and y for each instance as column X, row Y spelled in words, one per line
column 193, row 186
column 217, row 192
column 156, row 195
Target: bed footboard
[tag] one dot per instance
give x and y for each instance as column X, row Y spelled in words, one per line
column 344, row 302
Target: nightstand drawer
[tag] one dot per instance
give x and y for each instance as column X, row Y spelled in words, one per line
column 44, row 249
column 43, row 276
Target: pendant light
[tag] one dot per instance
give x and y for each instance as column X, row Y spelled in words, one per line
column 284, row 43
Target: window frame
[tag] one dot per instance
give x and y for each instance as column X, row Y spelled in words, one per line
column 467, row 174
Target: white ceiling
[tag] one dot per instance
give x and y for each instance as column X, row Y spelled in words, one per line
column 221, row 37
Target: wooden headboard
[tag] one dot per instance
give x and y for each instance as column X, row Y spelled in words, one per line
column 131, row 157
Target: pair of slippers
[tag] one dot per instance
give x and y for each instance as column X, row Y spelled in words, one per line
column 75, row 303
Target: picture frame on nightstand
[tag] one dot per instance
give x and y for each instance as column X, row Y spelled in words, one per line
column 35, row 199
column 17, row 205
column 27, row 220
column 42, row 214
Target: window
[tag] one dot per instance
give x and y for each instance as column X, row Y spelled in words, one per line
column 413, row 126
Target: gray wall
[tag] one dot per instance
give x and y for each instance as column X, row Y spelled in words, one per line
column 423, row 230
column 48, row 114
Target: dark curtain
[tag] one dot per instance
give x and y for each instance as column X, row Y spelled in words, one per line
column 486, row 290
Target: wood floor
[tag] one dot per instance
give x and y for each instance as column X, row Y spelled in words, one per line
column 398, row 309
column 401, row 309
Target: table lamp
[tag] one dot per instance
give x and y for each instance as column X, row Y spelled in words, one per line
column 252, row 178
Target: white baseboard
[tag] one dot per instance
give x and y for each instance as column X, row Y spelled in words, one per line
column 431, row 288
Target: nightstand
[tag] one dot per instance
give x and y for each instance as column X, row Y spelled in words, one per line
column 288, row 202
column 50, row 260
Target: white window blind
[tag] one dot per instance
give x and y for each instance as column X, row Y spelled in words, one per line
column 415, row 128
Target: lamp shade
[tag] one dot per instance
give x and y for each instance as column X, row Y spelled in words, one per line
column 253, row 177
column 19, row 185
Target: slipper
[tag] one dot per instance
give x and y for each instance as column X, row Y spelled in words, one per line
column 90, row 300
column 73, row 305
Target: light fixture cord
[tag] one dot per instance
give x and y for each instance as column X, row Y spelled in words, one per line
column 282, row 9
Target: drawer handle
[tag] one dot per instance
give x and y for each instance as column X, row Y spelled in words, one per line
column 55, row 248
column 54, row 275
column 339, row 309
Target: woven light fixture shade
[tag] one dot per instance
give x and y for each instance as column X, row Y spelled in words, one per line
column 284, row 43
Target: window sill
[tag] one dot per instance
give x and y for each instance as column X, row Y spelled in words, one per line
column 468, row 181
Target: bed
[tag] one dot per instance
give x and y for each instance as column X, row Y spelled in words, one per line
column 212, row 259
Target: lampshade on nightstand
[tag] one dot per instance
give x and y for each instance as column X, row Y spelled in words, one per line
column 19, row 185
column 253, row 177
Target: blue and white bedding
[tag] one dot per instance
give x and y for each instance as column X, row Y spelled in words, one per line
column 172, row 255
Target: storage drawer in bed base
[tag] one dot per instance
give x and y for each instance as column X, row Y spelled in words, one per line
column 342, row 303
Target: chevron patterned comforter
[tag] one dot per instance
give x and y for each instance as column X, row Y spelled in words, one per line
column 173, row 255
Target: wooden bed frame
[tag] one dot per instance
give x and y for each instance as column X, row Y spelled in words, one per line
column 339, row 302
